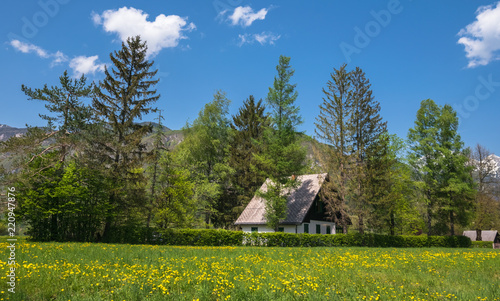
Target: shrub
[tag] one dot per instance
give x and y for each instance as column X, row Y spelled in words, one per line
column 482, row 244
column 200, row 237
column 219, row 237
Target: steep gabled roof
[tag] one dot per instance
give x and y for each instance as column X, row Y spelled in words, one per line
column 299, row 201
column 486, row 235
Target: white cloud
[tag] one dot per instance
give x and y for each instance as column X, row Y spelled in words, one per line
column 245, row 16
column 163, row 32
column 481, row 38
column 57, row 57
column 85, row 65
column 262, row 38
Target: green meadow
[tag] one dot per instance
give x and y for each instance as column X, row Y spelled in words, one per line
column 85, row 271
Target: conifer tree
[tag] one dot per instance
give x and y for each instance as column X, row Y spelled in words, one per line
column 120, row 101
column 45, row 153
column 282, row 155
column 333, row 129
column 456, row 188
column 423, row 155
column 248, row 127
column 440, row 165
column 366, row 128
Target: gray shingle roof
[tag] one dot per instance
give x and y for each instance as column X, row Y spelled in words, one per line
column 299, row 202
column 486, row 235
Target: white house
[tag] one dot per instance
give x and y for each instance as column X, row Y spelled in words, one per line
column 486, row 235
column 305, row 214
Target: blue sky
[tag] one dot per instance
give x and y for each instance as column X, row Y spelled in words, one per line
column 410, row 50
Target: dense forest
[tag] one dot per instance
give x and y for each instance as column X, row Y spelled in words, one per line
column 96, row 172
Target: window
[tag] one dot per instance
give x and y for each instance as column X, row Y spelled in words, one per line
column 328, row 230
column 255, row 229
column 281, row 229
column 318, row 229
column 306, row 228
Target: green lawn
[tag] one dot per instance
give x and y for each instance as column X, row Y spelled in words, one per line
column 83, row 271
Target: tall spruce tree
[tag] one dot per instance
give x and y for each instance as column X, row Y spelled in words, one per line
column 120, row 101
column 282, row 155
column 366, row 128
column 333, row 129
column 248, row 127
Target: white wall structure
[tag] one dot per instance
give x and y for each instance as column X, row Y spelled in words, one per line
column 323, row 227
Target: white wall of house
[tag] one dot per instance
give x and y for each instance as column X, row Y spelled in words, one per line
column 295, row 229
column 265, row 228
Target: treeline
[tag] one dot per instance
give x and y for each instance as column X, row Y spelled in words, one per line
column 89, row 176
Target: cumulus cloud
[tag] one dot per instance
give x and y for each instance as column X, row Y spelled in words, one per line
column 262, row 38
column 85, row 65
column 245, row 16
column 163, row 32
column 57, row 57
column 481, row 38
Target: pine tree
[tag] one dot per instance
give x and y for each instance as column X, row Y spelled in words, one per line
column 248, row 127
column 43, row 155
column 120, row 100
column 282, row 155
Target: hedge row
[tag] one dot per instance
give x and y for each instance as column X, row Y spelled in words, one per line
column 194, row 237
column 482, row 244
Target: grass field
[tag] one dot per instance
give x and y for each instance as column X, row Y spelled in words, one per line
column 83, row 271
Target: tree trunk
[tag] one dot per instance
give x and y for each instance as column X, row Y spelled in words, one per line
column 429, row 218
column 393, row 224
column 452, row 224
column 478, row 235
column 361, row 225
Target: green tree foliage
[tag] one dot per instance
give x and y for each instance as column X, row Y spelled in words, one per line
column 61, row 203
column 423, row 155
column 440, row 167
column 247, row 127
column 43, row 155
column 153, row 168
column 282, row 154
column 205, row 151
column 70, row 116
column 332, row 128
column 174, row 204
column 120, row 100
column 487, row 208
column 456, row 187
column 390, row 191
column 365, row 126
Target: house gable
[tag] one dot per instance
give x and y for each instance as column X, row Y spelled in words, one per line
column 299, row 202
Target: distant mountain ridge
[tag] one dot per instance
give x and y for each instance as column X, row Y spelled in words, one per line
column 171, row 138
column 7, row 131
